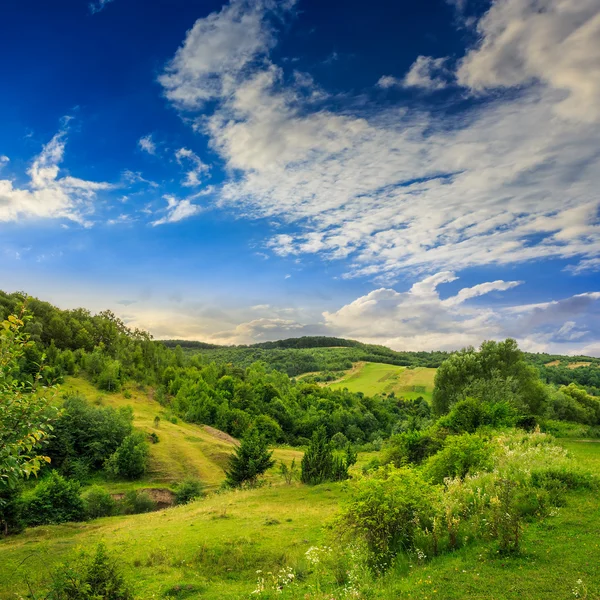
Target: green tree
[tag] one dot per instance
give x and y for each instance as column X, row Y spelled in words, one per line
column 25, row 414
column 497, row 372
column 131, row 457
column 318, row 463
column 249, row 461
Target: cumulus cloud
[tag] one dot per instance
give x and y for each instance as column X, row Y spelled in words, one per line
column 177, row 210
column 48, row 195
column 198, row 168
column 419, row 319
column 428, row 73
column 396, row 190
column 554, row 42
column 147, row 144
column 218, row 49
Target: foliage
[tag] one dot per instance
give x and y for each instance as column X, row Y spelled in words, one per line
column 25, row 414
column 87, row 433
column 386, row 509
column 250, row 460
column 130, row 459
column 54, row 500
column 320, row 464
column 460, row 456
column 412, row 447
column 90, row 577
column 11, row 511
column 188, row 490
column 498, row 372
column 98, row 503
column 290, row 473
column 136, row 502
column 470, row 414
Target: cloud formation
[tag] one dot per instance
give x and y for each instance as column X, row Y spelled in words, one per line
column 198, row 168
column 48, row 195
column 147, row 144
column 177, row 210
column 396, row 190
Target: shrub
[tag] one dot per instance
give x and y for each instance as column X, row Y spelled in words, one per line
column 98, row 503
column 317, row 463
column 249, row 461
column 136, row 502
column 54, row 500
column 130, row 459
column 96, row 577
column 411, row 447
column 466, row 416
column 11, row 511
column 188, row 490
column 288, row 473
column 339, row 440
column 386, row 509
column 462, row 454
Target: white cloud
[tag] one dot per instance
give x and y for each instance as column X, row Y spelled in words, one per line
column 218, row 49
column 428, row 73
column 509, row 180
column 4, row 160
column 192, row 177
column 147, row 144
column 387, row 81
column 96, row 7
column 420, row 319
column 177, row 210
column 49, row 196
column 554, row 42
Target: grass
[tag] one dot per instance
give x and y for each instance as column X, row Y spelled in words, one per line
column 212, row 549
column 184, row 449
column 216, row 544
column 376, row 378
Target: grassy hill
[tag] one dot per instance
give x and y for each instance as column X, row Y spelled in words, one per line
column 184, row 449
column 213, row 548
column 376, row 378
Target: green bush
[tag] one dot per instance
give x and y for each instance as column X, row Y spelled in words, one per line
column 11, row 511
column 461, row 454
column 136, row 502
column 466, row 416
column 90, row 577
column 188, row 490
column 98, row 503
column 54, row 500
column 130, row 460
column 411, row 447
column 385, row 511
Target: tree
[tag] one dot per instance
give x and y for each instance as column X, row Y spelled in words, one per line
column 498, row 372
column 25, row 415
column 131, row 457
column 319, row 464
column 249, row 461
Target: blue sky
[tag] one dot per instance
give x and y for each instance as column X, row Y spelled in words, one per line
column 423, row 175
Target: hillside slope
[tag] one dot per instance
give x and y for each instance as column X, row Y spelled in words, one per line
column 184, row 449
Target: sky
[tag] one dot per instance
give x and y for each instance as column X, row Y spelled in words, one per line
column 423, row 175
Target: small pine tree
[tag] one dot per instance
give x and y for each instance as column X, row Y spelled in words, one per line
column 250, row 460
column 318, row 461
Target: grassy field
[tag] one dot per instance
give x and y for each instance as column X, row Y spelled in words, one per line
column 184, row 449
column 376, row 378
column 212, row 549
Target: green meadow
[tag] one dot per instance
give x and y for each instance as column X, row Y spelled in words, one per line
column 377, row 378
column 213, row 548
